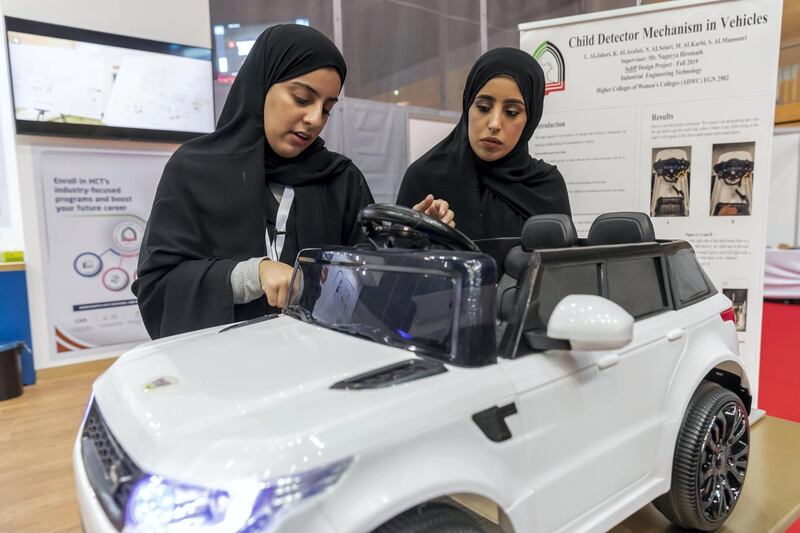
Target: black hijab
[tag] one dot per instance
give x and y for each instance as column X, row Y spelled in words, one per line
column 452, row 171
column 280, row 53
column 210, row 211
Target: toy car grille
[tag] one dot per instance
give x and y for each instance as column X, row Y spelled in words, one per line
column 117, row 473
column 395, row 374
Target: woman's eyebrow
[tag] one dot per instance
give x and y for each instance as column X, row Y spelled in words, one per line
column 313, row 91
column 306, row 86
column 506, row 101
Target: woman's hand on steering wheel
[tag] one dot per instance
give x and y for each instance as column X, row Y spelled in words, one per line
column 394, row 226
column 437, row 209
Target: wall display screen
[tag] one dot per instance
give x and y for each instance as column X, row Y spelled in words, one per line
column 69, row 81
column 233, row 41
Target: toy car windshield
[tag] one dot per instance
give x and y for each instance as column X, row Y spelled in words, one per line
column 419, row 285
column 383, row 303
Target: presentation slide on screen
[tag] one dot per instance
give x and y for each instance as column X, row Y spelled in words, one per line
column 95, row 208
column 669, row 110
column 60, row 80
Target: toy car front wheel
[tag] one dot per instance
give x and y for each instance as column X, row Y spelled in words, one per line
column 432, row 518
column 711, row 458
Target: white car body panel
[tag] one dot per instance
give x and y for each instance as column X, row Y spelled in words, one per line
column 567, row 399
column 593, row 437
column 228, row 418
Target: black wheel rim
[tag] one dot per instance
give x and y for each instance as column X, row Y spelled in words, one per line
column 723, row 462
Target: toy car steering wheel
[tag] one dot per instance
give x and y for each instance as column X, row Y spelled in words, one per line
column 394, row 226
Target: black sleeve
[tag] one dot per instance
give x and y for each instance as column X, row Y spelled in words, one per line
column 561, row 196
column 410, row 192
column 180, row 288
column 358, row 197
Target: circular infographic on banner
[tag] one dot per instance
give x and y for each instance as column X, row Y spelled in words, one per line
column 115, row 279
column 88, row 264
column 128, row 236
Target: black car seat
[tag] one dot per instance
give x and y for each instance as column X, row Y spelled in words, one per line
column 625, row 227
column 539, row 232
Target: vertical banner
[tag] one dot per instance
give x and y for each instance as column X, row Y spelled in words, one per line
column 669, row 109
column 96, row 206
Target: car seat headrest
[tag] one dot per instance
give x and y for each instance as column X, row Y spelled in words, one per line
column 548, row 231
column 515, row 262
column 539, row 232
column 625, row 227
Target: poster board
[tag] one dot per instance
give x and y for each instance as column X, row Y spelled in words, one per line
column 668, row 109
column 94, row 209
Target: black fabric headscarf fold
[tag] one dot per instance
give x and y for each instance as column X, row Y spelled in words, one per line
column 280, row 53
column 210, row 210
column 452, row 171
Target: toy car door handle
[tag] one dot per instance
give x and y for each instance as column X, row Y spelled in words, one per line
column 676, row 334
column 607, row 361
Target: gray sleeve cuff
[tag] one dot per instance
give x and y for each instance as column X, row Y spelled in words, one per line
column 245, row 282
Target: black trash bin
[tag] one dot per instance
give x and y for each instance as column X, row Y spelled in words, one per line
column 10, row 370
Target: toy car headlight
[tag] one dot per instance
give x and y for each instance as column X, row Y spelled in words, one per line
column 282, row 492
column 159, row 504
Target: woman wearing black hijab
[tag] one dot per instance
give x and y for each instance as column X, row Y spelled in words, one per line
column 222, row 195
column 483, row 168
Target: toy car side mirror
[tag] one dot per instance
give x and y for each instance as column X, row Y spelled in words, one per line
column 590, row 323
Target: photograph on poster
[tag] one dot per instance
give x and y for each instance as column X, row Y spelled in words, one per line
column 732, row 179
column 739, row 299
column 669, row 181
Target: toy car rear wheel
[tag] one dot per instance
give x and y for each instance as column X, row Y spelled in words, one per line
column 432, row 518
column 711, row 459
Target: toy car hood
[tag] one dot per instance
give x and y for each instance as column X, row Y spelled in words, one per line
column 259, row 398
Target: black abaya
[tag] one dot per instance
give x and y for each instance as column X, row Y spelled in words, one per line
column 211, row 207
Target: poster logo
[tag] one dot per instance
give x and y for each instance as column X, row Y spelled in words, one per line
column 552, row 62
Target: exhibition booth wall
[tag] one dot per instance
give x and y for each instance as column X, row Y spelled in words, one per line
column 180, row 21
column 783, row 224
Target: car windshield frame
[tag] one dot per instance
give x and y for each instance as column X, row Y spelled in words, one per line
column 388, row 338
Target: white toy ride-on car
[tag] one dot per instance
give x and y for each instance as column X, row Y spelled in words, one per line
column 597, row 375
